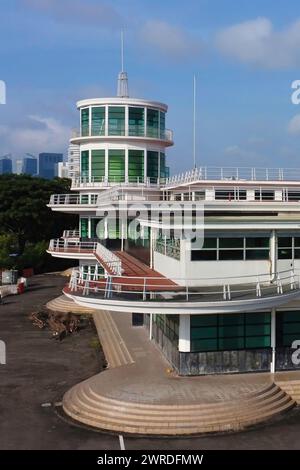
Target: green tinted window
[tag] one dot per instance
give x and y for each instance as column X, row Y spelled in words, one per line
column 152, row 122
column 169, row 324
column 135, row 165
column 98, row 163
column 136, row 121
column 162, row 124
column 84, row 228
column 231, row 242
column 116, row 166
column 287, row 328
column 98, row 120
column 230, row 332
column 85, row 122
column 116, row 120
column 162, row 166
column 152, row 164
column 85, row 163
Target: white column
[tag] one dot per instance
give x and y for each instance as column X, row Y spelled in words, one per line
column 126, row 164
column 106, row 164
column 273, row 251
column 145, row 165
column 184, row 344
column 273, row 339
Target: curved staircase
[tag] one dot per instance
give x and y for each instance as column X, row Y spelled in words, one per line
column 84, row 403
column 65, row 305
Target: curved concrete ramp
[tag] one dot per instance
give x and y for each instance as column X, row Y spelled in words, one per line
column 65, row 305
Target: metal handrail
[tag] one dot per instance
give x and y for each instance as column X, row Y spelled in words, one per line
column 115, row 286
column 150, row 133
column 59, row 244
column 110, row 258
column 71, row 234
column 73, row 199
column 236, row 174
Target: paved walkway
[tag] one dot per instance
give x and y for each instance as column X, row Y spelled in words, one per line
column 140, row 394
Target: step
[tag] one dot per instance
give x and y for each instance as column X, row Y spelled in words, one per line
column 225, row 412
column 180, row 428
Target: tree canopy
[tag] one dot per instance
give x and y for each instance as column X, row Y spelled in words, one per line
column 24, row 212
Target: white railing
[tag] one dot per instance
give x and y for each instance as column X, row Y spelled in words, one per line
column 65, row 245
column 154, row 133
column 110, row 259
column 161, row 289
column 104, row 182
column 73, row 199
column 236, row 174
column 71, row 234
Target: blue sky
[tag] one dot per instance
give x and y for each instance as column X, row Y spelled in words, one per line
column 245, row 56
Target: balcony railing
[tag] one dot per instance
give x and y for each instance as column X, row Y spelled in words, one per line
column 73, row 199
column 158, row 289
column 235, row 174
column 150, row 133
column 110, row 259
column 102, row 181
column 71, row 234
column 65, row 246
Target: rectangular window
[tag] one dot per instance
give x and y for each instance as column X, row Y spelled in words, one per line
column 162, row 125
column 152, row 123
column 96, row 228
column 85, row 122
column 98, row 120
column 287, row 328
column 85, row 163
column 231, row 255
column 116, row 166
column 116, row 120
column 230, row 332
column 136, row 121
column 84, row 228
column 169, row 324
column 264, row 195
column 152, row 165
column 162, row 170
column 135, row 166
column 98, row 164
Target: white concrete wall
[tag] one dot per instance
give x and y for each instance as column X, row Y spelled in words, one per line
column 169, row 267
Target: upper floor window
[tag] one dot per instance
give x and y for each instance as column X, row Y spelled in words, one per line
column 98, row 120
column 85, row 122
column 116, row 120
column 136, row 125
column 152, row 122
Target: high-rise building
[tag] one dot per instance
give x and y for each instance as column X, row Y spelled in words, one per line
column 29, row 165
column 5, row 165
column 48, row 164
column 63, row 170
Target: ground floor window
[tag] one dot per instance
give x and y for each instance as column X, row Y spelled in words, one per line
column 169, row 324
column 230, row 331
column 287, row 328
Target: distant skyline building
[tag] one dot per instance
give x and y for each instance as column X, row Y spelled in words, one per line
column 5, row 165
column 29, row 165
column 48, row 164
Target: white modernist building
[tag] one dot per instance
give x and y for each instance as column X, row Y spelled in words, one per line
column 227, row 302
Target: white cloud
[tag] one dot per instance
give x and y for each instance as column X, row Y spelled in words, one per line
column 256, row 42
column 38, row 134
column 294, row 125
column 169, row 40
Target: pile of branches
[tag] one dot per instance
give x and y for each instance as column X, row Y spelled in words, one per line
column 60, row 324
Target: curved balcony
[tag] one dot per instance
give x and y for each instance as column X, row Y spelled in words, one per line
column 164, row 296
column 73, row 202
column 164, row 136
column 74, row 249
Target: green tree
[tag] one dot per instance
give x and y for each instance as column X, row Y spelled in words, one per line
column 24, row 212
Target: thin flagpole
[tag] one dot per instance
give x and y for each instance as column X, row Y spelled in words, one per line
column 122, row 50
column 194, row 122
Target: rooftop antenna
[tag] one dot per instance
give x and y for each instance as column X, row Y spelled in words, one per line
column 122, row 77
column 194, row 120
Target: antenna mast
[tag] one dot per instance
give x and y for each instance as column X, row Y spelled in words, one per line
column 122, row 77
column 194, row 121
